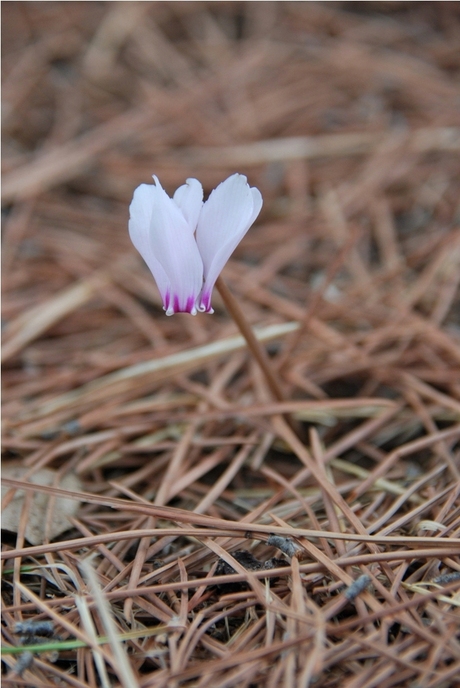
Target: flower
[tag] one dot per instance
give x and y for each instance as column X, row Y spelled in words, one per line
column 186, row 242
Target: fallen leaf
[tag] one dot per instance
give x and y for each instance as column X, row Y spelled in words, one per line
column 47, row 516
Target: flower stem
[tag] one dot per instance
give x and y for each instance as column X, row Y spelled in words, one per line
column 254, row 345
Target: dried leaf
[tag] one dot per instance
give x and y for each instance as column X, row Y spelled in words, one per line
column 47, row 517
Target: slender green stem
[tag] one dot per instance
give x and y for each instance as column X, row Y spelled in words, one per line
column 50, row 645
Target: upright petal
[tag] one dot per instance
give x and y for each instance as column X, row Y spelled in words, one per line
column 164, row 238
column 140, row 215
column 224, row 220
column 189, row 198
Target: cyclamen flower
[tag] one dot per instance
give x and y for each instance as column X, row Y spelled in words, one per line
column 186, row 242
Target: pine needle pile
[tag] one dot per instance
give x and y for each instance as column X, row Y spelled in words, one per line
column 167, row 521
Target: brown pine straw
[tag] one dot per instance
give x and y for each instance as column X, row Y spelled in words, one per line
column 273, row 515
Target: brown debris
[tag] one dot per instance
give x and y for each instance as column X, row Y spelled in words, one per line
column 230, row 527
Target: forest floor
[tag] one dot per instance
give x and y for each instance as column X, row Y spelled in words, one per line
column 167, row 521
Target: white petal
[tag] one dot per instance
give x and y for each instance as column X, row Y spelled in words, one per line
column 189, row 198
column 257, row 202
column 161, row 234
column 140, row 215
column 224, row 220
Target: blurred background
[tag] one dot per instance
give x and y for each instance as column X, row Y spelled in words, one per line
column 344, row 114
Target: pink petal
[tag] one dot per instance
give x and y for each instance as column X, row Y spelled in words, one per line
column 224, row 220
column 164, row 238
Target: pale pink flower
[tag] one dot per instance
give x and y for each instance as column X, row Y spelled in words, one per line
column 186, row 242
